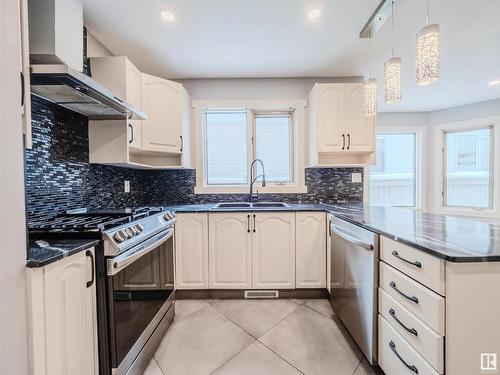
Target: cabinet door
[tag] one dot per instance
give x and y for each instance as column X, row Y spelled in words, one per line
column 70, row 317
column 361, row 129
column 230, row 251
column 273, row 249
column 328, row 253
column 143, row 274
column 167, row 265
column 191, row 251
column 331, row 117
column 134, row 97
column 311, row 250
column 161, row 100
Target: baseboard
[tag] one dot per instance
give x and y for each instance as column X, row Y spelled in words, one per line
column 240, row 293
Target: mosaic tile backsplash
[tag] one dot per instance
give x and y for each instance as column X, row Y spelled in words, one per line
column 59, row 176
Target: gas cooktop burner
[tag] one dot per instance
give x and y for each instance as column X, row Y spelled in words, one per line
column 92, row 220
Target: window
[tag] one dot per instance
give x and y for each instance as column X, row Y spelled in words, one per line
column 228, row 138
column 226, row 148
column 468, row 168
column 273, row 145
column 393, row 178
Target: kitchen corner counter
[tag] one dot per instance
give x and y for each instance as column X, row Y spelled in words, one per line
column 459, row 239
column 54, row 250
column 212, row 207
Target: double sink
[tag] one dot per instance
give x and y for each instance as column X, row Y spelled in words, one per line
column 230, row 205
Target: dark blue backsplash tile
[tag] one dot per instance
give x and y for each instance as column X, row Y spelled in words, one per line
column 59, row 176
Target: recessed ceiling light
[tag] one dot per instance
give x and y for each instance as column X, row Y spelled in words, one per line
column 313, row 14
column 493, row 83
column 167, row 16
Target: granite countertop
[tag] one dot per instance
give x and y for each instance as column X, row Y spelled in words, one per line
column 453, row 238
column 43, row 252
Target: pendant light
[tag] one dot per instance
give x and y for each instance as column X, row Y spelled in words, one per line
column 370, row 91
column 428, row 53
column 392, row 74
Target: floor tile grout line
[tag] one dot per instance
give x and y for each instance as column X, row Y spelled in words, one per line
column 284, row 359
column 359, row 364
column 279, row 321
column 320, row 314
column 230, row 359
column 194, row 312
column 154, row 359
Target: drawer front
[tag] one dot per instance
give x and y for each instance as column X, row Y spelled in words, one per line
column 419, row 300
column 424, row 340
column 396, row 356
column 425, row 268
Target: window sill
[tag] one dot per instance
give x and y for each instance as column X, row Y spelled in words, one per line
column 274, row 189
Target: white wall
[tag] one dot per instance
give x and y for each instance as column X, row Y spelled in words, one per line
column 466, row 112
column 13, row 317
column 95, row 48
column 255, row 88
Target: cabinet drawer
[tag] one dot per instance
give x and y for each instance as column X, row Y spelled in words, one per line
column 424, row 340
column 425, row 268
column 419, row 300
column 396, row 356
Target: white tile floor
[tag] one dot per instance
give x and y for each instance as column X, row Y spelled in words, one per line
column 257, row 337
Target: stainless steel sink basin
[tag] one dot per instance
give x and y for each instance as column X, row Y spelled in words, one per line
column 269, row 204
column 233, row 205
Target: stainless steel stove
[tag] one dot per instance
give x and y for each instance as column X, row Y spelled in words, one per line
column 135, row 278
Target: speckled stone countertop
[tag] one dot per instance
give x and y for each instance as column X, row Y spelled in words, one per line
column 453, row 238
column 43, row 252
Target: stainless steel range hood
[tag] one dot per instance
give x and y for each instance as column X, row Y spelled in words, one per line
column 71, row 89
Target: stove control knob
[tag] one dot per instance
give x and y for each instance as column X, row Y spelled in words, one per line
column 120, row 236
column 137, row 229
column 169, row 216
column 129, row 233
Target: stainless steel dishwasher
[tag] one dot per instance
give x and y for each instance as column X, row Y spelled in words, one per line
column 354, row 282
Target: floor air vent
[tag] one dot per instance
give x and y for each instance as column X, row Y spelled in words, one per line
column 261, row 294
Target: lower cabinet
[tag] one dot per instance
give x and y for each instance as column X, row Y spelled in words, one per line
column 230, row 251
column 310, row 250
column 191, row 251
column 63, row 316
column 273, row 250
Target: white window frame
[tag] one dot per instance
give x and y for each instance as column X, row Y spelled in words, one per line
column 439, row 172
column 420, row 161
column 251, row 107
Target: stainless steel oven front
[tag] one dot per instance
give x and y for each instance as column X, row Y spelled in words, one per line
column 141, row 301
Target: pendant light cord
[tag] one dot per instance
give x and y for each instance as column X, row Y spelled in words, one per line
column 392, row 26
column 428, row 12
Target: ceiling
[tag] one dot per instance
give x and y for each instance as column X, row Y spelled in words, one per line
column 274, row 38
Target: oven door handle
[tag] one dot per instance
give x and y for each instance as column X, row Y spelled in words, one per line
column 118, row 263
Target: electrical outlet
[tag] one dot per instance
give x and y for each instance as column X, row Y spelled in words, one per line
column 355, row 177
column 127, row 186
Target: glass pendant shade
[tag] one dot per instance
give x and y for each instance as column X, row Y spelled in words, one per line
column 428, row 55
column 393, row 80
column 370, row 97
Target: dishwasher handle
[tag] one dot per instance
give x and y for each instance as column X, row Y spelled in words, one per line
column 352, row 239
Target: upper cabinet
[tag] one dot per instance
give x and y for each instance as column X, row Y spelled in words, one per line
column 339, row 132
column 162, row 101
column 162, row 140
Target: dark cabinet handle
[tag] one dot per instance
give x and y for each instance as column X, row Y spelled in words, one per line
column 254, row 223
column 131, row 133
column 343, row 141
column 348, row 141
column 182, row 143
column 91, row 256
column 22, row 89
column 330, row 228
column 412, row 298
column 416, row 263
column 248, row 223
column 413, row 331
column 410, row 367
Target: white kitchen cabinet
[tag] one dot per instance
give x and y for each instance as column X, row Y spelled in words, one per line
column 191, row 251
column 339, row 132
column 230, row 251
column 161, row 141
column 162, row 101
column 63, row 316
column 25, row 73
column 329, row 253
column 273, row 250
column 310, row 250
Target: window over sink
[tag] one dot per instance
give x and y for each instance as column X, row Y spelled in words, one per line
column 230, row 137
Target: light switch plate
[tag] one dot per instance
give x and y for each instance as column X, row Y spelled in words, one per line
column 355, row 177
column 127, row 186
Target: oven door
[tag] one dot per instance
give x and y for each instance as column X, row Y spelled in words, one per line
column 140, row 286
